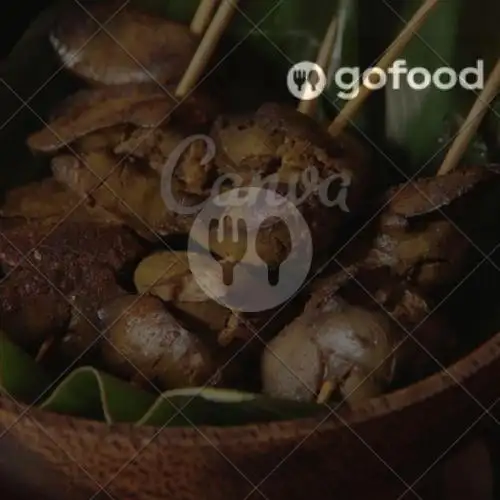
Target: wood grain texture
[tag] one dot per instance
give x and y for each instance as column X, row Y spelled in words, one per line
column 466, row 474
column 409, row 430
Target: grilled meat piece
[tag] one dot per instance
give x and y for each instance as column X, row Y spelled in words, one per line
column 291, row 154
column 142, row 105
column 119, row 44
column 51, row 268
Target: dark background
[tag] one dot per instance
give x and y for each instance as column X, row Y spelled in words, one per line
column 15, row 17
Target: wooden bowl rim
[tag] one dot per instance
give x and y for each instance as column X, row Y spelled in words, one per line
column 279, row 431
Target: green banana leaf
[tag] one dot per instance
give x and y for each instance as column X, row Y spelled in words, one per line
column 418, row 124
column 88, row 393
column 20, row 377
column 422, row 123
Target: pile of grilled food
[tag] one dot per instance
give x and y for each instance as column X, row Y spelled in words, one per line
column 90, row 277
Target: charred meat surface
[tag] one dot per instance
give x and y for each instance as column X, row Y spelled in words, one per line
column 291, row 154
column 132, row 196
column 50, row 202
column 60, row 267
column 130, row 191
column 109, row 150
column 422, row 233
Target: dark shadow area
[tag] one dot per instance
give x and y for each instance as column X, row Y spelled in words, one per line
column 15, row 18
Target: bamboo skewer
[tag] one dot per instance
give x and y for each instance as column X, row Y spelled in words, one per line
column 323, row 60
column 203, row 16
column 45, row 348
column 472, row 122
column 325, row 393
column 207, row 47
column 395, row 49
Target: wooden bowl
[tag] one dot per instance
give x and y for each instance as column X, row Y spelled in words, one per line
column 385, row 445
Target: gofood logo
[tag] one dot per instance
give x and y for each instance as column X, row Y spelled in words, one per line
column 306, row 80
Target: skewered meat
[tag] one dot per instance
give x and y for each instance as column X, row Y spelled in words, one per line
column 109, row 43
column 74, row 263
column 415, row 245
column 144, row 336
column 49, row 202
column 119, row 188
column 290, row 147
column 151, row 146
column 298, row 146
column 346, row 347
column 167, row 276
column 422, row 234
column 113, row 142
column 142, row 105
column 361, row 343
column 126, row 190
